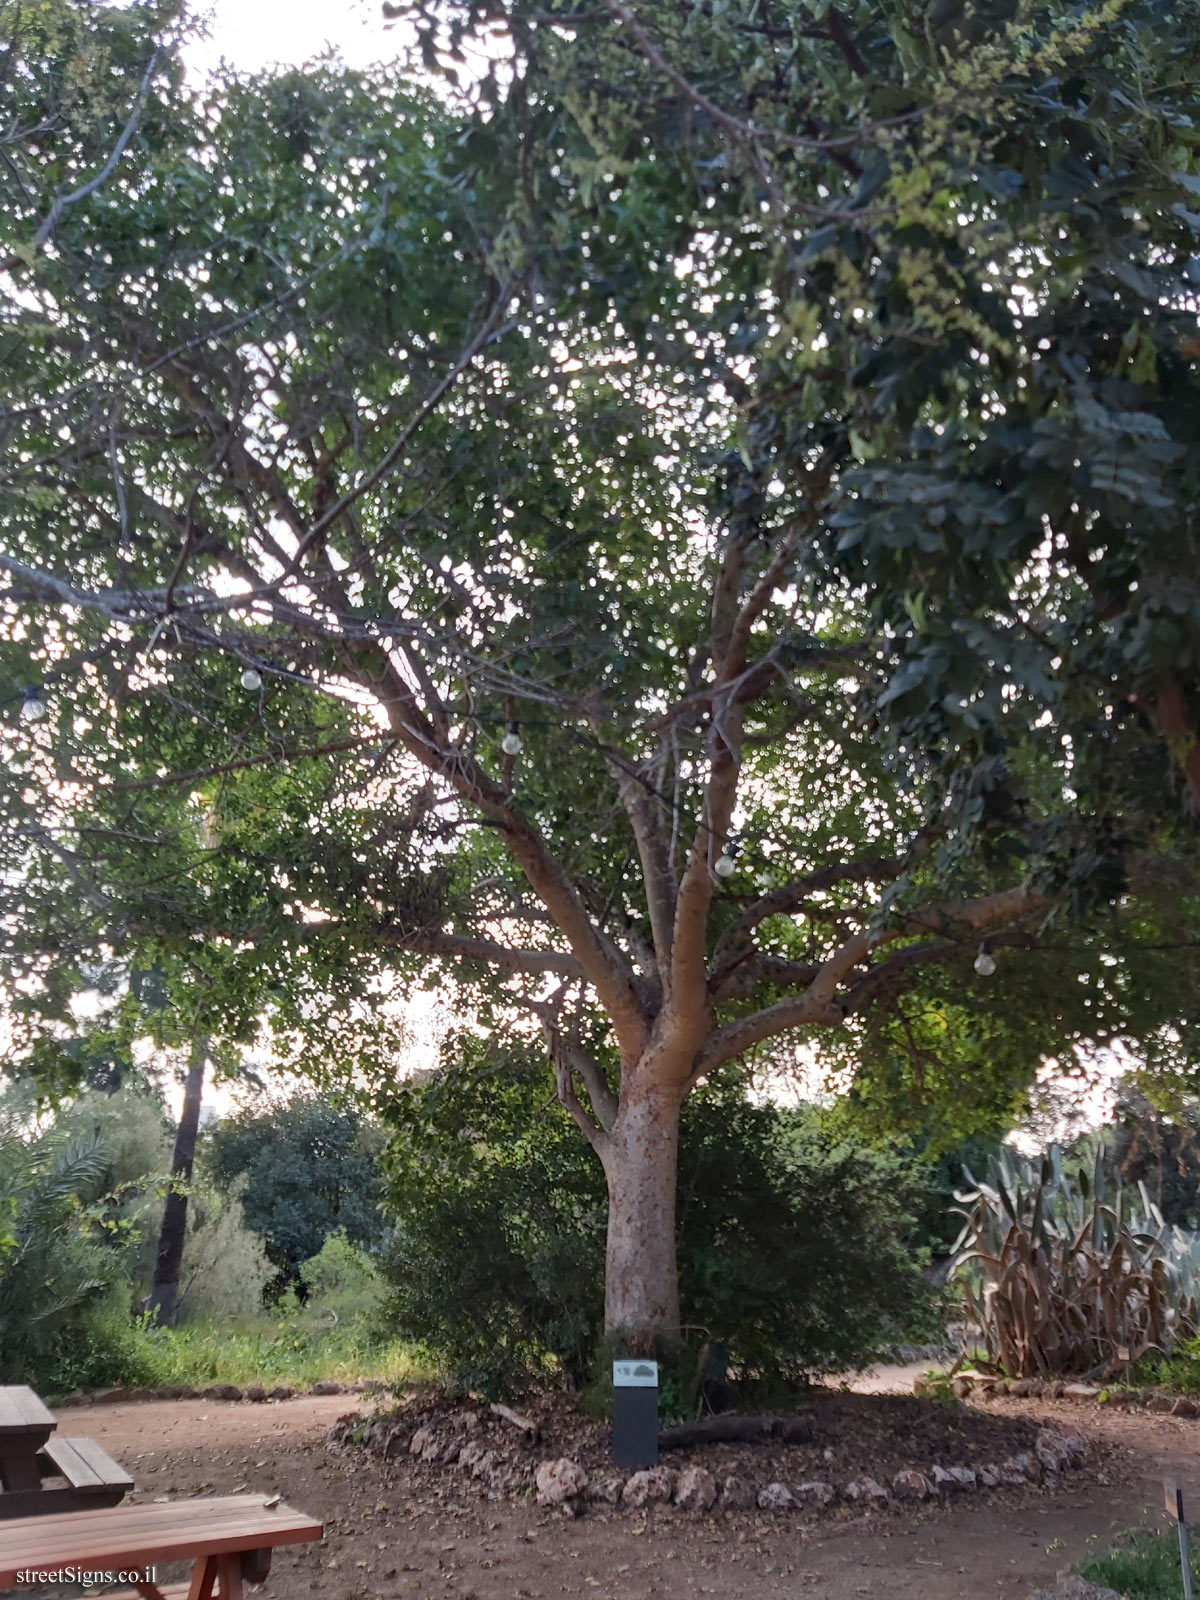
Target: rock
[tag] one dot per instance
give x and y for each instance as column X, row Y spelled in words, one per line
column 484, row 1465
column 77, row 1398
column 655, row 1484
column 816, row 1494
column 911, row 1485
column 696, row 1490
column 606, row 1490
column 560, row 1481
column 420, row 1442
column 1020, row 1468
column 1022, row 1388
column 864, row 1491
column 776, row 1497
column 111, row 1396
column 1054, row 1391
column 1051, row 1451
column 327, row 1386
column 1076, row 1446
column 737, row 1494
column 222, row 1391
column 1080, row 1391
column 281, row 1391
column 962, row 1387
column 1070, row 1587
column 989, row 1477
column 256, row 1392
column 1184, row 1407
column 963, row 1478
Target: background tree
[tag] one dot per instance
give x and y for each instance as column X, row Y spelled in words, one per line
column 310, row 1170
column 481, row 572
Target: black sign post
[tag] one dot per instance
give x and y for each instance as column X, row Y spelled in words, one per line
column 635, row 1413
column 1173, row 1495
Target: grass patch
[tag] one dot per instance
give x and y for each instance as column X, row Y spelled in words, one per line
column 297, row 1350
column 1146, row 1567
column 294, row 1347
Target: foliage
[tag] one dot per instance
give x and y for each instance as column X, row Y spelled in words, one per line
column 309, row 1167
column 61, row 1261
column 1143, row 1566
column 1061, row 1274
column 793, row 1236
column 225, row 1270
column 668, row 393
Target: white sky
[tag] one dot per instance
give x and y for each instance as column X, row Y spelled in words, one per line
column 257, row 34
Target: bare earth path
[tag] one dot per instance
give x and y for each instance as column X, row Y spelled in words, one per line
column 398, row 1530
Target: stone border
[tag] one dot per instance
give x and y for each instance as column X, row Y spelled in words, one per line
column 219, row 1391
column 984, row 1386
column 563, row 1483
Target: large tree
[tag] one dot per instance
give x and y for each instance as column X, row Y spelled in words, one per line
column 539, row 541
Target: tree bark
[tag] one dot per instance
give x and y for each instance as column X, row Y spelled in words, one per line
column 640, row 1155
column 164, row 1293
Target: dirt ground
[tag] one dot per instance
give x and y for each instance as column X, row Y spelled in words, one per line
column 390, row 1535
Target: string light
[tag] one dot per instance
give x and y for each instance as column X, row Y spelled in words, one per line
column 985, row 961
column 33, row 707
column 723, row 866
column 251, row 679
column 511, row 742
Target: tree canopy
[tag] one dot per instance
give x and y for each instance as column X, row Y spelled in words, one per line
column 688, row 531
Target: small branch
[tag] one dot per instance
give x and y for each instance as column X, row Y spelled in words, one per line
column 523, row 1425
column 61, row 201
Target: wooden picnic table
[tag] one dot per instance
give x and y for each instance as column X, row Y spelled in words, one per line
column 25, row 1425
column 229, row 1542
column 29, row 1454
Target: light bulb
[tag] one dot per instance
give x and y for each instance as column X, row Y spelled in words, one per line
column 251, row 679
column 723, row 866
column 511, row 743
column 985, row 963
column 33, row 709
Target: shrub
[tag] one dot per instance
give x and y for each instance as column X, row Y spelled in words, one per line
column 64, row 1305
column 1143, row 1566
column 1062, row 1274
column 793, row 1235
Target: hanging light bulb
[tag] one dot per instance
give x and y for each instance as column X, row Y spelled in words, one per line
column 985, row 961
column 251, row 679
column 723, row 866
column 511, row 742
column 33, row 707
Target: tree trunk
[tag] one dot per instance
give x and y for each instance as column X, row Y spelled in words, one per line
column 164, row 1294
column 641, row 1292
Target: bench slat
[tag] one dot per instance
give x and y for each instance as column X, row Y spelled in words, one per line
column 142, row 1535
column 170, row 1591
column 85, row 1465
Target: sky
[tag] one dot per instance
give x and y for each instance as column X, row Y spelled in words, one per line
column 257, row 34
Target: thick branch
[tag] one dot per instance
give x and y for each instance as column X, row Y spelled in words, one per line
column 823, row 1001
column 429, row 941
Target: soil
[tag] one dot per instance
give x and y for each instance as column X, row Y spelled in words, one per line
column 853, row 1434
column 398, row 1529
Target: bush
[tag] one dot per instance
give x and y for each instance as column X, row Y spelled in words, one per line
column 1145, row 1566
column 64, row 1304
column 793, row 1235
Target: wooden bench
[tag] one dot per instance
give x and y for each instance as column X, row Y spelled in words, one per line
column 229, row 1543
column 94, row 1480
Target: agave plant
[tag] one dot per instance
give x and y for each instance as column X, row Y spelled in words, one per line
column 1070, row 1273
